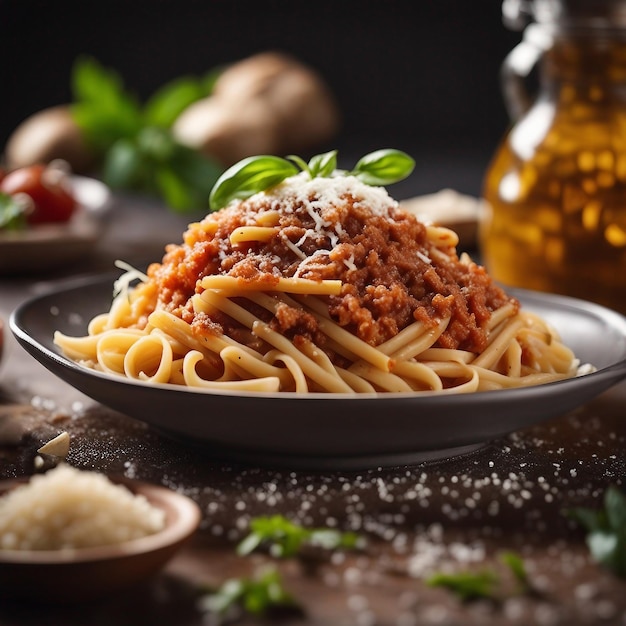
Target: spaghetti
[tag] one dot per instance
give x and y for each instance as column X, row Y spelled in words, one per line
column 319, row 285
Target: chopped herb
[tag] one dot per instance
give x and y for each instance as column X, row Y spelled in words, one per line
column 516, row 564
column 260, row 173
column 486, row 583
column 467, row 585
column 606, row 530
column 260, row 595
column 286, row 539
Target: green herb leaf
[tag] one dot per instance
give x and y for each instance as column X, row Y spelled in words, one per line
column 123, row 166
column 135, row 145
column 383, row 167
column 323, row 164
column 12, row 214
column 615, row 507
column 249, row 176
column 196, row 173
column 260, row 596
column 467, row 585
column 103, row 110
column 285, row 538
column 487, row 583
column 606, row 528
column 260, row 173
column 516, row 564
column 167, row 103
column 153, row 162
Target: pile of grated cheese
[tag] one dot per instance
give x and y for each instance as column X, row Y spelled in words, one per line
column 319, row 193
column 67, row 508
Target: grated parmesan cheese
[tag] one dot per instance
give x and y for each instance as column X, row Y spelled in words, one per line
column 319, row 197
column 67, row 508
column 327, row 192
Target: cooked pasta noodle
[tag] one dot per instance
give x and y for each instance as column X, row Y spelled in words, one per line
column 319, row 285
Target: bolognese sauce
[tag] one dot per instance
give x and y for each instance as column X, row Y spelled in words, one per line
column 392, row 273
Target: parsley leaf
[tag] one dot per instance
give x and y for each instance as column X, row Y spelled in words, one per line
column 259, row 595
column 467, row 585
column 286, row 538
column 486, row 583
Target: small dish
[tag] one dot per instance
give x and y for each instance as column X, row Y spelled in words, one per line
column 447, row 207
column 54, row 245
column 90, row 573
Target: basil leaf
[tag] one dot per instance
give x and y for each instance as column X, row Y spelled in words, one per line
column 383, row 167
column 323, row 164
column 301, row 163
column 168, row 102
column 606, row 530
column 12, row 216
column 172, row 188
column 156, row 145
column 615, row 505
column 123, row 167
column 195, row 174
column 102, row 109
column 91, row 82
column 248, row 177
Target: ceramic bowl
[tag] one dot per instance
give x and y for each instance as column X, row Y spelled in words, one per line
column 85, row 574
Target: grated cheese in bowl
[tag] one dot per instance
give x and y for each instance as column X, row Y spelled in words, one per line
column 67, row 508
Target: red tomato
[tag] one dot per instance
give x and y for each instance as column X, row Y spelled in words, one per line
column 52, row 199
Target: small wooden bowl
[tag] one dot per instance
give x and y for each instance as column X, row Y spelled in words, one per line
column 86, row 574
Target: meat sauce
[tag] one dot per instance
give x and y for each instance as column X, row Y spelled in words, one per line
column 392, row 273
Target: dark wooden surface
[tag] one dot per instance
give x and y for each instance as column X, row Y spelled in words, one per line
column 459, row 514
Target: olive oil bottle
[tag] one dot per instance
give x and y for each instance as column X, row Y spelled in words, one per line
column 556, row 188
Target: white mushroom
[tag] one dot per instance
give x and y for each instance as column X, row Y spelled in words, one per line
column 48, row 135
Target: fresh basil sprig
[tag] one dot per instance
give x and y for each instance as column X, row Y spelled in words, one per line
column 322, row 165
column 260, row 173
column 606, row 530
column 134, row 144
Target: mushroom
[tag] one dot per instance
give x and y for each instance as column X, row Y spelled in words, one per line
column 45, row 136
column 267, row 103
column 225, row 133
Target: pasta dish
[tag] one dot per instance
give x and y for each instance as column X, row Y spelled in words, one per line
column 319, row 284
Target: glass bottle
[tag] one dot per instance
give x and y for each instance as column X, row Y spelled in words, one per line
column 556, row 187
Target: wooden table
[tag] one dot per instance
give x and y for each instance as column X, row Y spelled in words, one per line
column 460, row 514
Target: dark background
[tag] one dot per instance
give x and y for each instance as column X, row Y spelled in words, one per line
column 417, row 75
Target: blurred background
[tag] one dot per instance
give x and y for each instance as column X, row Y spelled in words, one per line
column 418, row 76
